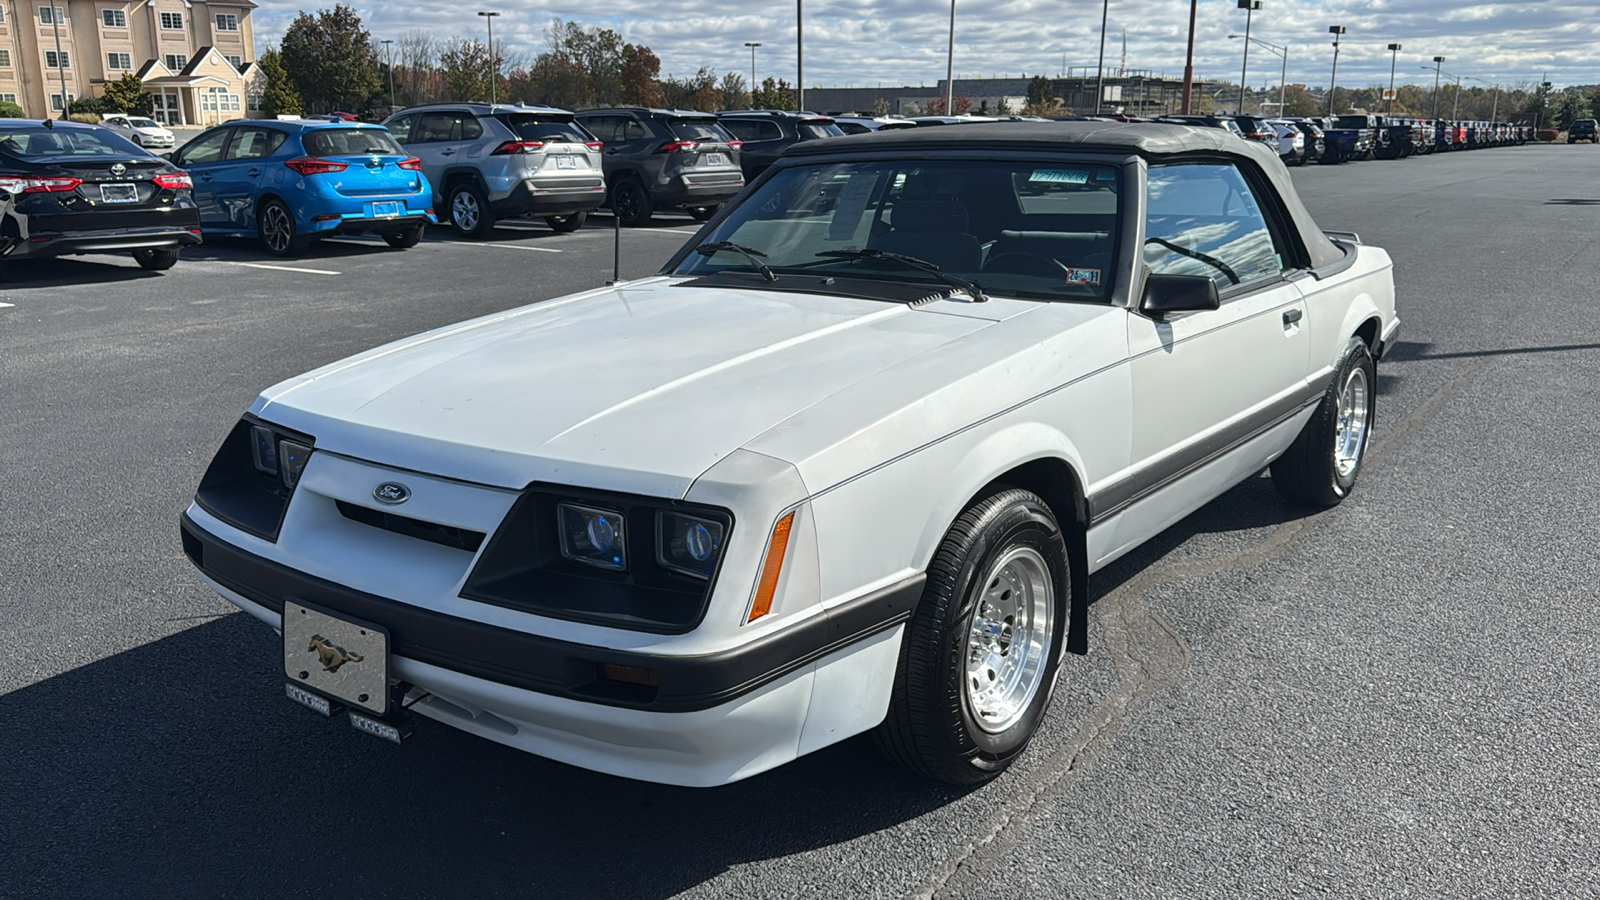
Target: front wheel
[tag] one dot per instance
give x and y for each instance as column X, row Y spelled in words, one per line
column 403, row 239
column 978, row 660
column 156, row 260
column 566, row 224
column 1320, row 467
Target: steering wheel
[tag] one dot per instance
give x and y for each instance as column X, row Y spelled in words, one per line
column 1016, row 262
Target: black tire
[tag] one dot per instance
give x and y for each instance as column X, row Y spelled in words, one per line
column 156, row 260
column 470, row 215
column 1332, row 156
column 931, row 728
column 704, row 213
column 279, row 234
column 407, row 238
column 566, row 224
column 1313, row 472
column 630, row 202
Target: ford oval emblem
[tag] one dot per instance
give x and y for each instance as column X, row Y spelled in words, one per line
column 118, row 169
column 391, row 492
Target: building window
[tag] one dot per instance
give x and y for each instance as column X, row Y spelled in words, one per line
column 2, row 14
column 5, row 59
column 176, row 61
column 172, row 21
column 55, row 100
column 227, row 22
column 54, row 60
column 46, row 17
column 8, row 98
column 219, row 100
column 236, row 61
column 119, row 61
column 254, row 101
column 114, row 18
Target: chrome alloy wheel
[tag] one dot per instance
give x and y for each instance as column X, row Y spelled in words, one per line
column 1350, row 435
column 1008, row 642
column 464, row 211
column 276, row 229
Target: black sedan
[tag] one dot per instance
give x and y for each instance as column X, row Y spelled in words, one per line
column 69, row 188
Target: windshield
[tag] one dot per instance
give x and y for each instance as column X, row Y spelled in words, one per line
column 41, row 143
column 142, row 123
column 351, row 142
column 1042, row 230
column 544, row 128
column 698, row 130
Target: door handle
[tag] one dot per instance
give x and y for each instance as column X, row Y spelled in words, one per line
column 1291, row 317
column 205, row 176
column 252, row 173
column 447, row 153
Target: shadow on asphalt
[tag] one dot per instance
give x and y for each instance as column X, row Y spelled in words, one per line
column 65, row 271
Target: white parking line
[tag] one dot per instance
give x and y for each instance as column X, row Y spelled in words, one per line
column 506, row 246
column 283, row 268
column 6, row 305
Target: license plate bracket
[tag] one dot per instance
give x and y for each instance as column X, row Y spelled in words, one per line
column 119, row 193
column 338, row 657
column 385, row 210
column 716, row 159
column 566, row 161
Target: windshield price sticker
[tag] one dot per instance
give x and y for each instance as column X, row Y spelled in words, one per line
column 1083, row 276
column 851, row 204
column 1060, row 176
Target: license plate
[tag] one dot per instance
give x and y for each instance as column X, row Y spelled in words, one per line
column 716, row 159
column 336, row 657
column 566, row 162
column 385, row 210
column 119, row 193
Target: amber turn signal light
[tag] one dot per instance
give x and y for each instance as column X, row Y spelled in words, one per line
column 771, row 568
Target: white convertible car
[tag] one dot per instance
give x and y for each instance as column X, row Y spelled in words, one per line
column 845, row 465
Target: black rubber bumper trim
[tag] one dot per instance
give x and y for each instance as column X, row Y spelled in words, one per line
column 549, row 666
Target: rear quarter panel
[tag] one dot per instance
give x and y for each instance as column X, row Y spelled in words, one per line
column 1338, row 305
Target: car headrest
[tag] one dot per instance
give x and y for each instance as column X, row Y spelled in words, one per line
column 929, row 216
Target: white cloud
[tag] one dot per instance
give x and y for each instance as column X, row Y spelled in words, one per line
column 865, row 42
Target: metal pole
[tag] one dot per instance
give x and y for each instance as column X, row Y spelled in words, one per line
column 1244, row 69
column 1456, row 110
column 1100, row 84
column 1188, row 60
column 1333, row 80
column 800, row 54
column 950, row 65
column 752, row 45
column 1438, row 61
column 389, row 45
column 494, row 64
column 1283, row 79
column 1495, row 113
column 1394, row 58
column 61, row 69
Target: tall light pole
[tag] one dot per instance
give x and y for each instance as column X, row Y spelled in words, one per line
column 1249, row 7
column 1188, row 60
column 1437, row 62
column 752, row 45
column 1495, row 112
column 1283, row 76
column 800, row 54
column 1100, row 79
column 389, row 47
column 1394, row 57
column 950, row 66
column 1333, row 81
column 494, row 64
column 61, row 60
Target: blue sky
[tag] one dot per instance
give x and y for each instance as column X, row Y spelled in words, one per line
column 865, row 42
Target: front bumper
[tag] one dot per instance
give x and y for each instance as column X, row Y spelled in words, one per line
column 712, row 719
column 105, row 240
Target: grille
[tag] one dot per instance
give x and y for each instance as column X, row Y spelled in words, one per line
column 446, row 535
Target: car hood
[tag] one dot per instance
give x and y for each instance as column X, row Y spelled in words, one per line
column 640, row 387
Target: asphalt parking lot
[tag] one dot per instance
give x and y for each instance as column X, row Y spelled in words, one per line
column 1398, row 697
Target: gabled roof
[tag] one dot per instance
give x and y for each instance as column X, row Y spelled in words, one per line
column 144, row 70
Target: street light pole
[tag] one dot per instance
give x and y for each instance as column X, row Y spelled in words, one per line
column 389, row 46
column 752, row 45
column 1100, row 77
column 1188, row 59
column 1333, row 81
column 800, row 54
column 1394, row 58
column 1494, row 113
column 1283, row 52
column 950, row 66
column 1437, row 62
column 1249, row 7
column 61, row 61
column 494, row 64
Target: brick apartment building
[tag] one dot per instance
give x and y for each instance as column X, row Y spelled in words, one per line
column 194, row 56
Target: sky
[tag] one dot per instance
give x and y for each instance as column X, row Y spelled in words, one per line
column 869, row 42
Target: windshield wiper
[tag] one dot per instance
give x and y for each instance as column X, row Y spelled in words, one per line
column 971, row 287
column 755, row 256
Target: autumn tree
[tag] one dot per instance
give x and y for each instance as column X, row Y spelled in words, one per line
column 734, row 92
column 639, row 77
column 329, row 58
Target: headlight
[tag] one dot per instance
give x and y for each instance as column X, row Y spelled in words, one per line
column 278, row 457
column 688, row 544
column 292, row 458
column 597, row 537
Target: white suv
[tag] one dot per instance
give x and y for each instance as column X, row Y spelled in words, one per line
column 496, row 161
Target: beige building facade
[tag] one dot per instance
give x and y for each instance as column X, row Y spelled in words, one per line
column 194, row 57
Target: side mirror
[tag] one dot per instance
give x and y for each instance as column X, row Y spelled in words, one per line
column 1177, row 293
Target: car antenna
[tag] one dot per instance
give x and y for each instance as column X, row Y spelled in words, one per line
column 50, row 124
column 616, row 249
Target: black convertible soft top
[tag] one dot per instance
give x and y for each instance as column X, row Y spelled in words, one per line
column 1151, row 140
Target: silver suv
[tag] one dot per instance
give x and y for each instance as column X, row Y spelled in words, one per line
column 489, row 162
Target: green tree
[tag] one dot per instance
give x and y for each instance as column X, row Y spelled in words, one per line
column 1041, row 97
column 1573, row 106
column 464, row 63
column 9, row 110
column 278, row 94
column 329, row 58
column 774, row 94
column 126, row 95
column 1297, row 101
column 734, row 95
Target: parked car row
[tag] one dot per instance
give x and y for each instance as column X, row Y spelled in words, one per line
column 1337, row 139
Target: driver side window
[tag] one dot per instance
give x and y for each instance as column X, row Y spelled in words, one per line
column 1203, row 219
column 204, row 149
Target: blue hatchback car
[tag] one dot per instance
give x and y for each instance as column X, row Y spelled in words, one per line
column 290, row 183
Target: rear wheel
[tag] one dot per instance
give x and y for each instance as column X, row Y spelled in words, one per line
column 278, row 230
column 156, row 260
column 566, row 224
column 401, row 240
column 630, row 202
column 1320, row 467
column 469, row 211
column 979, row 657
